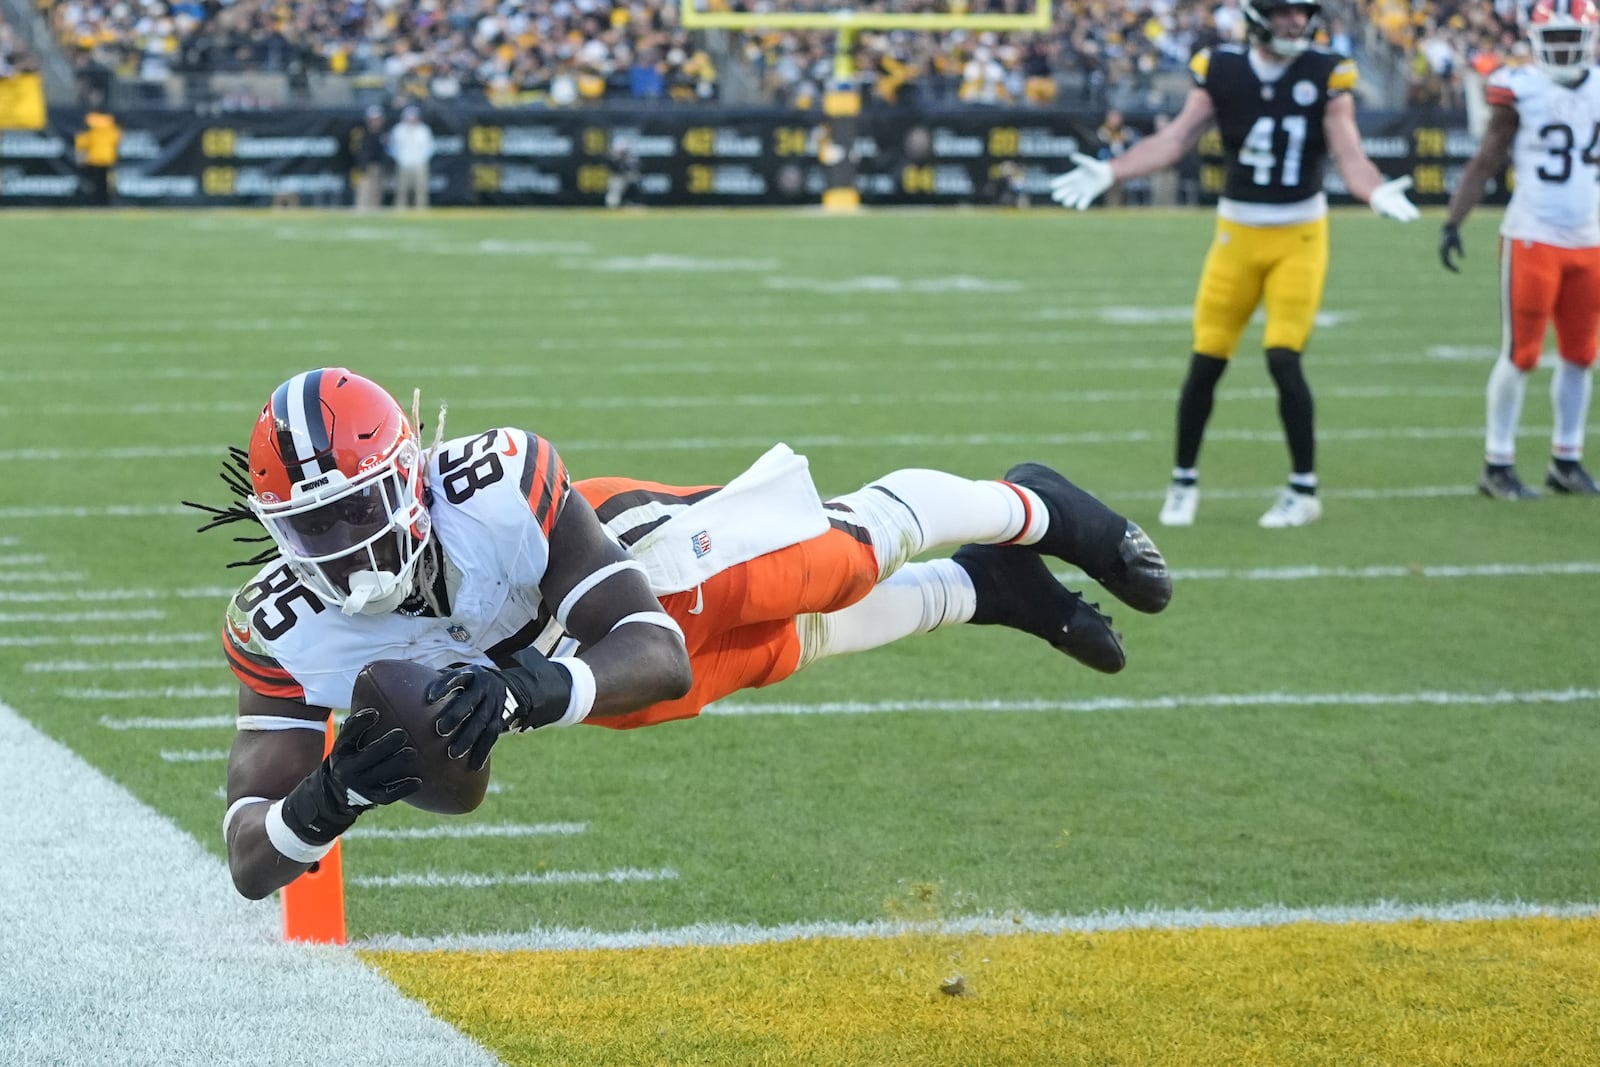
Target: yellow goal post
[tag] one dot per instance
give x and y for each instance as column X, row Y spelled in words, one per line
column 840, row 103
column 692, row 17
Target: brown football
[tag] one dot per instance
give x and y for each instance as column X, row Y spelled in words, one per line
column 396, row 687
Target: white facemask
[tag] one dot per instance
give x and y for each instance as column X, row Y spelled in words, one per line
column 374, row 593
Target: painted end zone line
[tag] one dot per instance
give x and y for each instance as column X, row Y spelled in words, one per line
column 1166, row 703
column 539, row 938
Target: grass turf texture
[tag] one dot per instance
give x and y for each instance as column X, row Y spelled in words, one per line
column 675, row 347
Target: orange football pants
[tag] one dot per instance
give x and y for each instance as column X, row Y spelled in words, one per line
column 1541, row 282
column 739, row 626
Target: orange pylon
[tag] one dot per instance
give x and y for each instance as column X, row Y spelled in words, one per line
column 313, row 904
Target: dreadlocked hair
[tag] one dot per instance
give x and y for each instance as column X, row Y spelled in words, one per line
column 236, row 476
column 416, row 420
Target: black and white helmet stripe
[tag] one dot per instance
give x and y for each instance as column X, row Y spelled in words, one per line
column 303, row 437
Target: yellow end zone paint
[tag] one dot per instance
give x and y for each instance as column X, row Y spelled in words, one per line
column 1482, row 992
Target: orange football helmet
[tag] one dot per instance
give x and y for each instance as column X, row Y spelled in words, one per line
column 336, row 479
column 1562, row 33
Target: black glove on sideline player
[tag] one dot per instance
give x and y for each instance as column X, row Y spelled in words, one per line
column 365, row 768
column 1450, row 248
column 485, row 702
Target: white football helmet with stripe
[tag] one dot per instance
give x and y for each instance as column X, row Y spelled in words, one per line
column 336, row 474
column 1562, row 33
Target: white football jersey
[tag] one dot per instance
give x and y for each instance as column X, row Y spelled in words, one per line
column 1555, row 157
column 495, row 498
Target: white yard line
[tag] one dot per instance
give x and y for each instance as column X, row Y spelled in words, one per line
column 157, row 722
column 448, row 880
column 43, row 577
column 541, row 938
column 798, row 400
column 1174, row 702
column 452, row 831
column 84, row 666
column 215, row 592
column 95, row 640
column 125, row 944
column 1252, row 574
column 190, row 692
column 191, row 755
column 102, row 511
column 1421, row 570
column 80, row 616
column 800, row 443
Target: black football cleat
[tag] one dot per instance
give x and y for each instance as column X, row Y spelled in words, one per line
column 1502, row 483
column 1570, row 479
column 1108, row 547
column 1016, row 589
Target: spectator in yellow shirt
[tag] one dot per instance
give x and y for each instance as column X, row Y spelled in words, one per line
column 97, row 146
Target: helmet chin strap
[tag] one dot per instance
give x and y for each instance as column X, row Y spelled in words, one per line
column 375, row 593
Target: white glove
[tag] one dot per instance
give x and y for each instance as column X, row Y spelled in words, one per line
column 1083, row 184
column 1389, row 200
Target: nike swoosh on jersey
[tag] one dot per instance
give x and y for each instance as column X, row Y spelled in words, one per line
column 699, row 600
column 511, row 445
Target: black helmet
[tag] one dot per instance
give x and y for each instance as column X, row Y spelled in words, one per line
column 1258, row 17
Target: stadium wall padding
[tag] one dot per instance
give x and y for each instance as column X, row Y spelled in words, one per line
column 689, row 156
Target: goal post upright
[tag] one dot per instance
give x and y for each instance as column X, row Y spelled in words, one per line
column 841, row 102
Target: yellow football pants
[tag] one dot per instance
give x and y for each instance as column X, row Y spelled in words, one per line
column 1281, row 266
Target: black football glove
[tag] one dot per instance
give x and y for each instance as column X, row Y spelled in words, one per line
column 364, row 768
column 485, row 702
column 1450, row 248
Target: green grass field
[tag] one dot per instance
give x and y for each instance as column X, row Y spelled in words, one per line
column 1396, row 704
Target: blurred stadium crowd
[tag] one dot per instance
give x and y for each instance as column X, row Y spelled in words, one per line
column 1443, row 44
column 568, row 52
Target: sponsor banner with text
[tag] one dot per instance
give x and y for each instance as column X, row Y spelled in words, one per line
column 674, row 156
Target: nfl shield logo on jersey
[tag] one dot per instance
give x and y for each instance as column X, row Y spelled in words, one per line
column 458, row 633
column 701, row 543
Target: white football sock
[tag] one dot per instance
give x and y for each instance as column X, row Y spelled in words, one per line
column 911, row 511
column 1507, row 385
column 1570, row 388
column 918, row 598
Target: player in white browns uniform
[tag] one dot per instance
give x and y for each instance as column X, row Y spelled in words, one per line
column 1545, row 119
column 614, row 602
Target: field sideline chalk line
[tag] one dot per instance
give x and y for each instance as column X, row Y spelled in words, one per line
column 126, row 945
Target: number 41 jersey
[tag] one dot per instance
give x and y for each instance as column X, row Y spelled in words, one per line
column 1270, row 121
column 1555, row 158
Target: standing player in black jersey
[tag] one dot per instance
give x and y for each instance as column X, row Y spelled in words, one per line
column 1282, row 107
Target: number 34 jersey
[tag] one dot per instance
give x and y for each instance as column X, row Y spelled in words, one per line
column 495, row 498
column 1555, row 157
